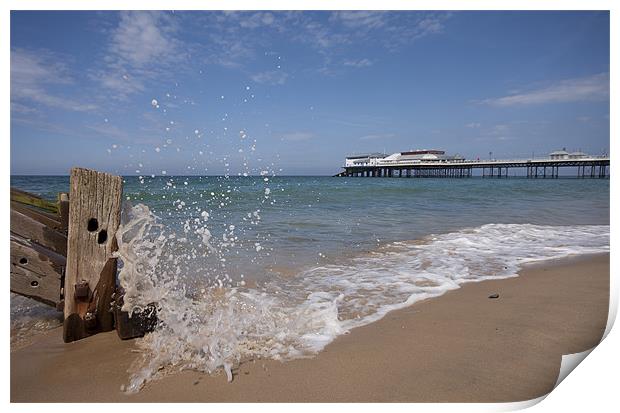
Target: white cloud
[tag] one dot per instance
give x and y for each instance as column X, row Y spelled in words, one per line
column 43, row 97
column 31, row 75
column 499, row 129
column 237, row 38
column 142, row 37
column 231, row 49
column 120, row 82
column 114, row 133
column 37, row 67
column 359, row 19
column 390, row 30
column 358, row 63
column 591, row 88
column 377, row 137
column 256, row 20
column 473, row 125
column 61, row 128
column 140, row 48
column 23, row 109
column 297, row 136
column 430, row 25
column 320, row 36
column 272, row 77
column 417, row 26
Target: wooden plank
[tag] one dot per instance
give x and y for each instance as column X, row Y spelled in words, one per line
column 39, row 215
column 63, row 211
column 36, row 272
column 36, row 231
column 140, row 322
column 27, row 198
column 94, row 217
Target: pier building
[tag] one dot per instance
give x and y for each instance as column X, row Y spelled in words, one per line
column 435, row 163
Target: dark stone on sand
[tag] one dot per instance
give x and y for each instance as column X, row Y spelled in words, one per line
column 494, row 295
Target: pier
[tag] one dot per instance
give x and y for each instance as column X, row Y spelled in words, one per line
column 590, row 167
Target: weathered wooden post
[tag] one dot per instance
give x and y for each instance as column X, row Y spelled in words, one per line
column 63, row 211
column 90, row 277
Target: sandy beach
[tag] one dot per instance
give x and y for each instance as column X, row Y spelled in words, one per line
column 460, row 347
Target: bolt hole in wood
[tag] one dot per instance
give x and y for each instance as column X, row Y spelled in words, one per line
column 23, row 260
column 102, row 236
column 34, row 283
column 93, row 225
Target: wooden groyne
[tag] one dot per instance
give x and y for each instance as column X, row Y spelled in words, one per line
column 62, row 255
column 38, row 247
column 594, row 167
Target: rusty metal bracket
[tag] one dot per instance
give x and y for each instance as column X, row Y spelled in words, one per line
column 82, row 291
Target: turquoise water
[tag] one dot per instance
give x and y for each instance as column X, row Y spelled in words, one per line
column 246, row 267
column 307, row 216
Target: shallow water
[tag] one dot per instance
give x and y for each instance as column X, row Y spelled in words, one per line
column 245, row 267
column 310, row 220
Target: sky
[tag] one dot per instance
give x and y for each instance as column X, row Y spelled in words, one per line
column 212, row 93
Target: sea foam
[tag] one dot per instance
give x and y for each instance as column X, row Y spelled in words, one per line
column 292, row 317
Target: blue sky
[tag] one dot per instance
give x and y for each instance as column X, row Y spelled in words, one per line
column 294, row 92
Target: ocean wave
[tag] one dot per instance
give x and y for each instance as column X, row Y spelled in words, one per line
column 207, row 326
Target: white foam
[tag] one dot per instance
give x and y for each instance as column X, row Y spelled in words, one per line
column 298, row 316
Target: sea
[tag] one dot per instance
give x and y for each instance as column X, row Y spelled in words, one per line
column 277, row 267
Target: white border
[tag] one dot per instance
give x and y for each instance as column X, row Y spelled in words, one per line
column 591, row 386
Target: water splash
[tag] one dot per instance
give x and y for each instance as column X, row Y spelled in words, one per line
column 207, row 326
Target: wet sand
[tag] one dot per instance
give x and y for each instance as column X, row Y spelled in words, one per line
column 460, row 347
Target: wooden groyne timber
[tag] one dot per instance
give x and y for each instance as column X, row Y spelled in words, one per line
column 62, row 255
column 38, row 247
